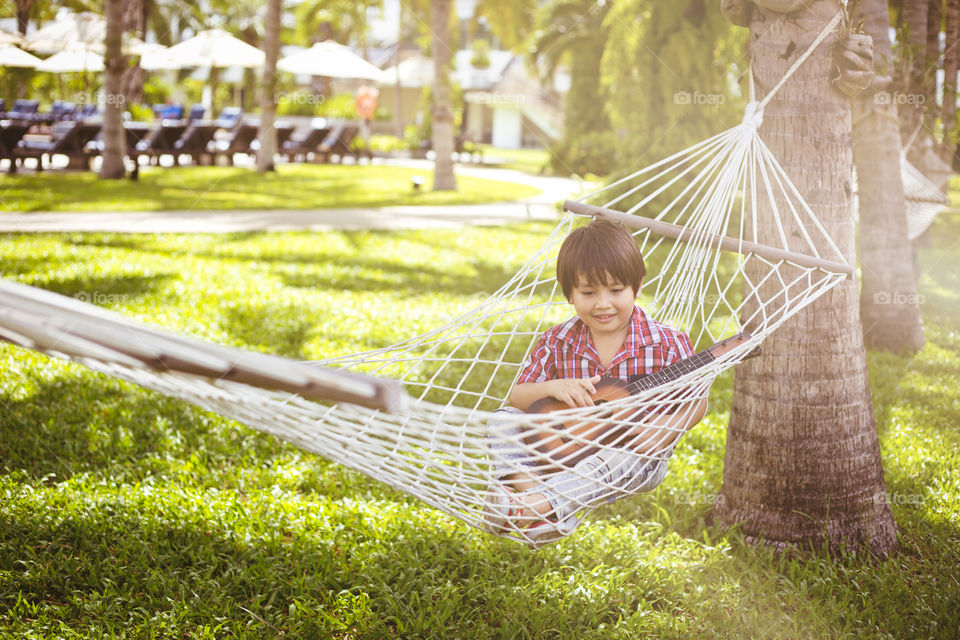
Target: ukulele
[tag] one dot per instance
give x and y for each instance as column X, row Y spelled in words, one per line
column 566, row 451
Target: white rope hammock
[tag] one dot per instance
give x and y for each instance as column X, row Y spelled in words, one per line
column 698, row 217
column 924, row 199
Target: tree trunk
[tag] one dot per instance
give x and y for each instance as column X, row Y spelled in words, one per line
column 948, row 110
column 913, row 18
column 802, row 464
column 931, row 60
column 23, row 15
column 398, row 97
column 134, row 21
column 114, row 148
column 212, row 82
column 888, row 298
column 268, row 102
column 443, row 177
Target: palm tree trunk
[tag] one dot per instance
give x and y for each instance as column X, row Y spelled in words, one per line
column 134, row 21
column 268, row 102
column 948, row 110
column 931, row 60
column 443, row 177
column 23, row 15
column 913, row 70
column 114, row 64
column 888, row 298
column 802, row 463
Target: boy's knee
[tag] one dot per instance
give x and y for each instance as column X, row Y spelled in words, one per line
column 632, row 473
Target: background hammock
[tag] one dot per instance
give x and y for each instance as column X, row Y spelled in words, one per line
column 924, row 200
column 735, row 248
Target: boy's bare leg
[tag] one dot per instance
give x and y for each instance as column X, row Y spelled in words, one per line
column 538, row 503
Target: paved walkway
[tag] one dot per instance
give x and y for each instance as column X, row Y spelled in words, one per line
column 544, row 206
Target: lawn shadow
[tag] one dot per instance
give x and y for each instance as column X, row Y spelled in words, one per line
column 20, row 265
column 277, row 330
column 74, row 423
column 105, row 290
column 363, row 272
column 378, row 275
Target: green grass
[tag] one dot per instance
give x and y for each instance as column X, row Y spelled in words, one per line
column 535, row 161
column 127, row 514
column 292, row 186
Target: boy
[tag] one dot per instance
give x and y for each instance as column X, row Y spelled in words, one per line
column 600, row 271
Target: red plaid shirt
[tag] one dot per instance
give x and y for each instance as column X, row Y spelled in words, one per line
column 566, row 351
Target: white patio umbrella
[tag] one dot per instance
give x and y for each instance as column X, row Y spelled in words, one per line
column 412, row 72
column 78, row 31
column 214, row 48
column 72, row 31
column 11, row 56
column 8, row 37
column 154, row 57
column 330, row 59
column 72, row 60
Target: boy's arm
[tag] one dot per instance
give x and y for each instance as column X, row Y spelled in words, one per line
column 678, row 417
column 573, row 391
column 651, row 438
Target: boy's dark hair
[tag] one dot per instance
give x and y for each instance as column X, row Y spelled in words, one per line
column 596, row 252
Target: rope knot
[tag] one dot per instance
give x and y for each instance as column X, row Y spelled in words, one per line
column 753, row 115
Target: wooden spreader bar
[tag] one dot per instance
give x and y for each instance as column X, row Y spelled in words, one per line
column 52, row 323
column 677, row 232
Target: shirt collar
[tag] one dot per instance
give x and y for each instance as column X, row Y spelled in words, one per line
column 640, row 335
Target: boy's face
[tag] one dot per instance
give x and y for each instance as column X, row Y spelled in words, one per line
column 605, row 308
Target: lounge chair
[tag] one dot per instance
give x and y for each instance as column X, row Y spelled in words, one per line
column 167, row 111
column 194, row 143
column 24, row 110
column 62, row 110
column 88, row 111
column 284, row 132
column 134, row 132
column 196, row 113
column 230, row 117
column 10, row 135
column 238, row 141
column 69, row 138
column 159, row 141
column 301, row 148
column 339, row 142
column 463, row 146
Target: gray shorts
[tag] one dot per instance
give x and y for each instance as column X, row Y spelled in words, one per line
column 602, row 477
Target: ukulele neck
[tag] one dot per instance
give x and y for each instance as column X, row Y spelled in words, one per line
column 672, row 372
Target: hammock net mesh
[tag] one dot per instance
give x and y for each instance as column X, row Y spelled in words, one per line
column 444, row 443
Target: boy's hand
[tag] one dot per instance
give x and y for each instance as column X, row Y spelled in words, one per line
column 574, row 391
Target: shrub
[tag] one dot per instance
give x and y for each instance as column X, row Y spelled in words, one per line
column 592, row 153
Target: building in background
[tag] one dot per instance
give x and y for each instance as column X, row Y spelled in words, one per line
column 504, row 105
